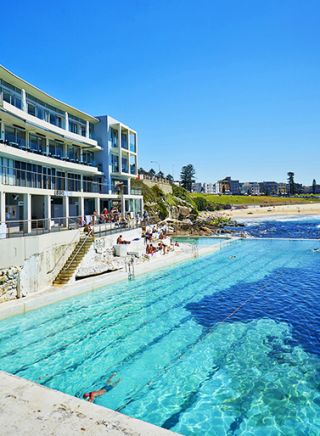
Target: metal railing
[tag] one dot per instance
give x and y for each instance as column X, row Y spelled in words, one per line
column 23, row 145
column 40, row 226
column 49, row 179
column 77, row 250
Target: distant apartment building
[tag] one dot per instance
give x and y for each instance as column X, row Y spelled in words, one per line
column 197, row 187
column 227, row 186
column 209, row 188
column 268, row 188
column 250, row 188
column 282, row 189
column 57, row 163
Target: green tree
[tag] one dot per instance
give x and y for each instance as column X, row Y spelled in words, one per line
column 187, row 177
column 170, row 178
column 291, row 183
column 314, row 186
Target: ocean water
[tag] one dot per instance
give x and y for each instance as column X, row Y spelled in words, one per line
column 282, row 227
column 226, row 344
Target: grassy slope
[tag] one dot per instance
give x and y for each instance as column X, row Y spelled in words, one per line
column 254, row 200
column 157, row 203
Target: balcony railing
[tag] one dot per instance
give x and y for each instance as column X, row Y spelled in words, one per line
column 52, row 181
column 23, row 146
column 47, row 180
column 104, row 225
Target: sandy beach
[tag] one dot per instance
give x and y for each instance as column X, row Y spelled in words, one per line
column 267, row 211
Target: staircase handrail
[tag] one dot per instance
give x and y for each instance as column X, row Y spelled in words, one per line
column 66, row 265
column 62, row 255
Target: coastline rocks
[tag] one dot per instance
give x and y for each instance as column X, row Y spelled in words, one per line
column 9, row 283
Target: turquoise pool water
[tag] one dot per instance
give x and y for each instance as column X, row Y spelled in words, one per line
column 181, row 367
column 200, row 241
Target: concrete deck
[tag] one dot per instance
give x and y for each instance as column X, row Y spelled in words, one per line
column 29, row 409
column 55, row 294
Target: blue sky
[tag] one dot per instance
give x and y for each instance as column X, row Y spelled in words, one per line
column 230, row 86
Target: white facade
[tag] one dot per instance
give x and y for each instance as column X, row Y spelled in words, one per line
column 209, row 188
column 56, row 162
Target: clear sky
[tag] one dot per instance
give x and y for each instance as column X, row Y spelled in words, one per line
column 231, row 86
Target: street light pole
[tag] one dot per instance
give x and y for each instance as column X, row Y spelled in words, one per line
column 156, row 162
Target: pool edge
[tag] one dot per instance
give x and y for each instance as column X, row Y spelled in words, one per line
column 53, row 295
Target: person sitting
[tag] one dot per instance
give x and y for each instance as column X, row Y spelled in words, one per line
column 150, row 249
column 91, row 396
column 122, row 241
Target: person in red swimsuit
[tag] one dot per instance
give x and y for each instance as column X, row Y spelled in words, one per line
column 91, row 396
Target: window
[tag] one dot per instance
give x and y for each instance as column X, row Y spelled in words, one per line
column 37, row 143
column 77, row 125
column 73, row 127
column 56, row 149
column 115, row 163
column 74, row 182
column 87, row 157
column 11, row 94
column 132, row 165
column 45, row 111
column 132, row 142
column 114, row 138
column 125, row 167
column 15, row 136
column 124, row 141
column 31, row 109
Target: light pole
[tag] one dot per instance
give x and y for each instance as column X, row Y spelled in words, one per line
column 156, row 162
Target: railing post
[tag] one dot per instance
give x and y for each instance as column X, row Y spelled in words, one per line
column 47, row 212
column 27, row 213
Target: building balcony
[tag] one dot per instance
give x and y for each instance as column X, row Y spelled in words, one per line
column 14, row 150
column 46, row 126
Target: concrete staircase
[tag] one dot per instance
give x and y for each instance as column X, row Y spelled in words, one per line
column 74, row 260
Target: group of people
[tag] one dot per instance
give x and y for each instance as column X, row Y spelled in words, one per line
column 112, row 216
column 160, row 237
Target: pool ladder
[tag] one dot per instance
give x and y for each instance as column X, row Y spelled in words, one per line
column 195, row 250
column 130, row 267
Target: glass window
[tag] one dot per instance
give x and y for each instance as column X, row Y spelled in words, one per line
column 114, row 138
column 124, row 141
column 132, row 142
column 115, row 163
column 31, row 109
column 125, row 167
column 9, row 134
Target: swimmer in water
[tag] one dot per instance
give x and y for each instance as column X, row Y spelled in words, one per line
column 316, row 250
column 232, row 257
column 91, row 396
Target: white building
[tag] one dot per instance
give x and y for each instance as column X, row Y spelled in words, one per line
column 57, row 163
column 209, row 188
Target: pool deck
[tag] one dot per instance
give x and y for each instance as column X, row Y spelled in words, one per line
column 29, row 409
column 54, row 294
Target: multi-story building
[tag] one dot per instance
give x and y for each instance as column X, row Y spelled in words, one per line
column 209, row 188
column 282, row 188
column 268, row 188
column 250, row 188
column 227, row 186
column 57, row 163
column 197, row 187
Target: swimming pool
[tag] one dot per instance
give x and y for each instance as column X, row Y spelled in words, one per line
column 180, row 366
column 199, row 241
